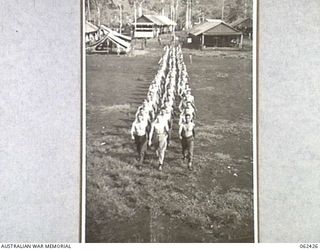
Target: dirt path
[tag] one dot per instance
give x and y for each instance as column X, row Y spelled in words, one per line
column 214, row 202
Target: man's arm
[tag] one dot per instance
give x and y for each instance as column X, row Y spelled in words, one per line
column 180, row 105
column 136, row 115
column 181, row 119
column 193, row 105
column 166, row 127
column 193, row 130
column 151, row 133
column 132, row 130
column 180, row 131
column 146, row 129
column 193, row 115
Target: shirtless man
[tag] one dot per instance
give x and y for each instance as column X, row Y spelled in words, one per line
column 188, row 110
column 160, row 129
column 189, row 97
column 145, row 113
column 148, row 106
column 186, row 135
column 139, row 134
column 166, row 116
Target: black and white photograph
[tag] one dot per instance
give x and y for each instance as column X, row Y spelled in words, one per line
column 169, row 121
column 159, row 121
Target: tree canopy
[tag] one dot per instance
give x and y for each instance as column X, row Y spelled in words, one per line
column 108, row 11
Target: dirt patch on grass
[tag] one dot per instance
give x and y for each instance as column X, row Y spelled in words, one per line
column 112, row 108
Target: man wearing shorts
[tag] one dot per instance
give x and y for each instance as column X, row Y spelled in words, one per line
column 139, row 135
column 159, row 130
column 186, row 135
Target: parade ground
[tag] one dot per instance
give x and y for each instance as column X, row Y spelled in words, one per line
column 212, row 203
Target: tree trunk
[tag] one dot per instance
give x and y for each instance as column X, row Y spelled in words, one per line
column 222, row 10
column 89, row 13
column 135, row 18
column 245, row 8
column 190, row 14
column 187, row 16
column 99, row 15
column 177, row 10
column 140, row 10
column 120, row 8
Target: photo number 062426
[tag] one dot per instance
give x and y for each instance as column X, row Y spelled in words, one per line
column 169, row 121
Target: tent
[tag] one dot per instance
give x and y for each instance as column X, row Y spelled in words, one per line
column 91, row 32
column 109, row 38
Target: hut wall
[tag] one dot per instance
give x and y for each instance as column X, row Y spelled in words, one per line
column 221, row 41
column 196, row 42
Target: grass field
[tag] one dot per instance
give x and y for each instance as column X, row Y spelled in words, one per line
column 213, row 203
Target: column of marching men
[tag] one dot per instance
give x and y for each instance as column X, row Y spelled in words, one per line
column 153, row 120
column 187, row 111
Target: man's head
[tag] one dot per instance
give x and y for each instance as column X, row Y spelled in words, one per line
column 140, row 117
column 162, row 111
column 141, row 109
column 167, row 109
column 188, row 118
column 158, row 119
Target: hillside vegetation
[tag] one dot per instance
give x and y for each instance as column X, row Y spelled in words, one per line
column 108, row 11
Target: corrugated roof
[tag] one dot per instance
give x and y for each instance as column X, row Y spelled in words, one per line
column 90, row 27
column 165, row 20
column 160, row 20
column 239, row 21
column 202, row 28
column 124, row 37
column 154, row 19
column 213, row 20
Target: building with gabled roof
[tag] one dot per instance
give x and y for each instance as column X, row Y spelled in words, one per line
column 148, row 26
column 166, row 21
column 244, row 25
column 214, row 33
column 111, row 40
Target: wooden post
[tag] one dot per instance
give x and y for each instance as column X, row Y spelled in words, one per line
column 241, row 41
column 202, row 41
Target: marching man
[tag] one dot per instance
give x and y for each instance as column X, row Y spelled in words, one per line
column 139, row 134
column 188, row 110
column 186, row 135
column 160, row 129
